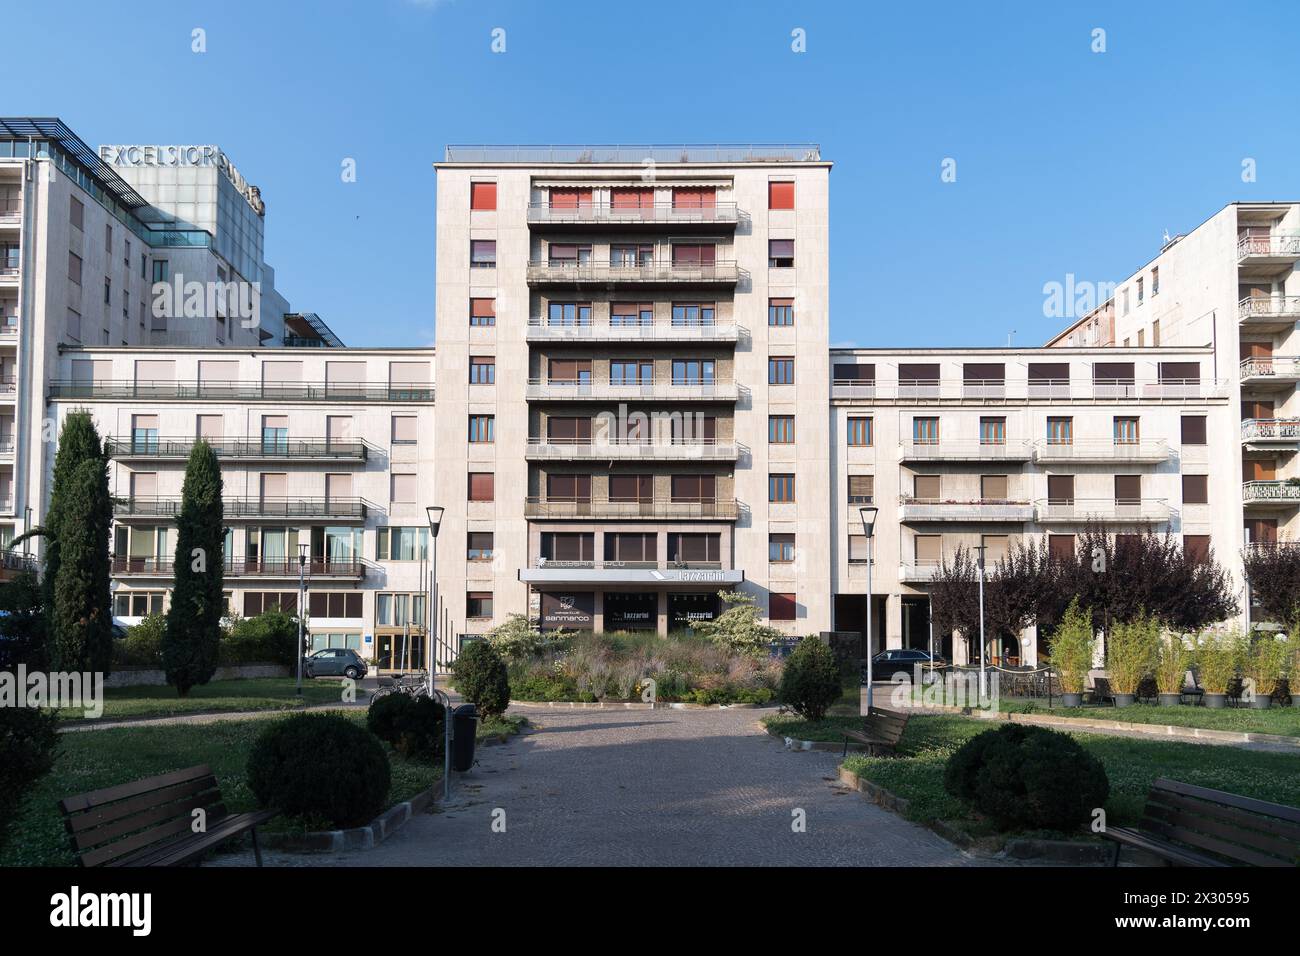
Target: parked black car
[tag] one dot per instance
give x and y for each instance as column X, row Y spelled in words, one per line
column 335, row 662
column 888, row 663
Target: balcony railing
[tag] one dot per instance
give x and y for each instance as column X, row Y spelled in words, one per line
column 1279, row 245
column 1271, row 429
column 126, row 390
column 674, row 390
column 1275, row 367
column 312, row 448
column 10, row 217
column 683, row 449
column 154, row 507
column 922, row 570
column 1014, row 450
column 717, row 273
column 16, row 561
column 977, row 509
column 8, row 271
column 542, row 570
column 721, row 509
column 663, row 153
column 1097, row 390
column 1145, row 511
column 1270, row 308
column 246, row 567
column 721, row 214
column 1152, row 450
column 8, row 387
column 1270, row 491
column 540, row 330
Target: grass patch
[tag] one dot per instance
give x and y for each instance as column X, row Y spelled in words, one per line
column 830, row 728
column 507, row 725
column 1131, row 766
column 105, row 758
column 257, row 693
column 1283, row 721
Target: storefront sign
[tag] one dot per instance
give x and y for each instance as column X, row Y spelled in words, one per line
column 572, row 610
column 176, row 156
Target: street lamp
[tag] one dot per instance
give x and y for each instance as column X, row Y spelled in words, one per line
column 868, row 515
column 983, row 675
column 302, row 605
column 434, row 514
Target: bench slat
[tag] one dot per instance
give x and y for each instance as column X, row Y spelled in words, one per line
column 139, row 841
column 108, row 813
column 1168, row 851
column 1262, row 833
column 87, row 801
column 1212, row 844
column 149, row 818
column 186, row 848
column 1250, row 804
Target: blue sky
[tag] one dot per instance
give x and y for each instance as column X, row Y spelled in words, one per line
column 1068, row 161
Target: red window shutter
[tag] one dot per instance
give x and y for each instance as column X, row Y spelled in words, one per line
column 780, row 195
column 482, row 486
column 483, row 308
column 781, row 607
column 685, row 197
column 482, row 195
column 570, row 198
column 631, row 198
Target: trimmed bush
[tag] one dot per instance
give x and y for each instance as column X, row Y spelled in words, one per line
column 810, row 682
column 320, row 766
column 28, row 744
column 413, row 726
column 1027, row 778
column 268, row 638
column 142, row 646
column 482, row 679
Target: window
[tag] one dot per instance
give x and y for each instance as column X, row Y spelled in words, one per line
column 780, row 429
column 693, row 314
column 993, row 431
column 568, row 313
column 108, row 291
column 482, row 254
column 702, row 488
column 567, row 254
column 76, row 213
column 780, row 488
column 781, row 607
column 780, row 311
column 578, row 487
column 780, row 195
column 396, row 610
column 482, row 370
column 1193, row 430
column 74, row 268
column 862, row 489
column 403, row 489
column 693, row 371
column 925, row 431
column 568, row 198
column 160, row 270
column 1061, row 546
column 482, row 486
column 629, row 256
column 478, row 603
column 126, row 253
column 1155, row 330
column 927, row 487
column 1128, row 489
column 859, row 432
column 481, row 428
column 334, row 603
column 255, row 602
column 1196, row 547
column 1155, row 286
column 631, row 546
column 1196, row 490
column 780, row 253
column 483, row 196
column 1141, row 285
column 993, row 488
column 780, row 548
column 138, row 603
column 401, row 544
column 478, row 545
column 74, row 325
column 859, row 549
column 1126, row 430
column 780, row 371
column 695, row 197
column 633, row 372
column 1060, row 431
column 108, row 238
column 406, row 429
column 482, row 311
column 631, row 314
column 694, row 547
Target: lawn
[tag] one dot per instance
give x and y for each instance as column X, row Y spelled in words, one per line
column 262, row 693
column 1283, row 721
column 829, row 728
column 1131, row 765
column 104, row 758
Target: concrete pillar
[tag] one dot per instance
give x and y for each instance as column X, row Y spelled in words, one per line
column 598, row 611
column 1029, row 645
column 893, row 621
column 662, row 616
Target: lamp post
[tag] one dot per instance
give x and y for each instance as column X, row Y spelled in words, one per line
column 868, row 515
column 983, row 677
column 302, row 607
column 434, row 514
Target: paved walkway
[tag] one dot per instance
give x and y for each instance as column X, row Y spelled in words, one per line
column 648, row 788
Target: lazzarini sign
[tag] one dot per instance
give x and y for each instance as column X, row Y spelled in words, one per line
column 173, row 156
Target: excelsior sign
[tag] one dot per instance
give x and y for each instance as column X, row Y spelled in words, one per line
column 175, row 156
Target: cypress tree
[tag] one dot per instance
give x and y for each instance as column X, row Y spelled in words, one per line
column 191, row 640
column 78, row 442
column 82, row 622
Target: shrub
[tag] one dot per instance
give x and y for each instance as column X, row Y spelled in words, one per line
column 1265, row 664
column 1071, row 648
column 270, row 637
column 320, row 765
column 413, row 726
column 811, row 681
column 1131, row 649
column 481, row 677
column 740, row 626
column 1218, row 655
column 142, row 646
column 28, row 745
column 1024, row 777
column 517, row 640
column 1172, row 661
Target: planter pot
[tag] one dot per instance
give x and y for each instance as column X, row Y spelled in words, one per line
column 1216, row 701
column 1071, row 700
column 1125, row 700
column 1261, row 702
column 1170, row 700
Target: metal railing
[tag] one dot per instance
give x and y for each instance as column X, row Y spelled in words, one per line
column 923, row 570
column 540, row 563
column 942, row 450
column 1253, row 491
column 1102, row 509
column 16, row 561
column 716, row 272
column 246, row 567
column 1102, row 449
column 723, row 213
column 270, row 507
column 634, row 153
column 1269, row 308
column 1277, row 245
column 1270, row 429
column 671, row 390
column 540, row 329
column 238, row 448
column 955, row 390
column 675, row 449
column 975, row 509
column 128, row 390
column 1275, row 366
column 722, row 509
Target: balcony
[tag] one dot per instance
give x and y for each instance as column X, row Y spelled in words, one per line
column 343, row 509
column 127, row 390
column 1275, row 493
column 10, row 218
column 8, row 389
column 975, row 451
column 1277, row 250
column 674, row 391
column 663, row 154
column 543, row 449
column 722, row 273
column 1105, row 451
column 606, row 216
column 1107, row 510
column 1273, row 313
column 13, row 563
column 957, row 392
column 660, row 509
column 351, row 569
column 545, row 571
column 539, row 330
column 9, row 331
column 918, row 571
column 1277, row 371
column 8, row 273
column 975, row 509
column 1271, row 431
column 178, row 449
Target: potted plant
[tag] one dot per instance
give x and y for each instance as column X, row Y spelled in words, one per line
column 1171, row 669
column 1070, row 653
column 1218, row 655
column 1264, row 667
column 1130, row 655
column 1293, row 658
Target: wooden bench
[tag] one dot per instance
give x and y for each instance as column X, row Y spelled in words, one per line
column 880, row 733
column 151, row 822
column 1195, row 826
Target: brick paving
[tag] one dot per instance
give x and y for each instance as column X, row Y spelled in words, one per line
column 648, row 788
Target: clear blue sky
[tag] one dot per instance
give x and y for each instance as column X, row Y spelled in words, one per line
column 1067, row 160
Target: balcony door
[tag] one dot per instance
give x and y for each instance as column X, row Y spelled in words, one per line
column 275, row 434
column 1128, row 490
column 1060, row 489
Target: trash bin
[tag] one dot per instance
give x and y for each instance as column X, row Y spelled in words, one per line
column 464, row 727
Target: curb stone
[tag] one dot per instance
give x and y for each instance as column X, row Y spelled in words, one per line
column 631, row 705
column 356, row 838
